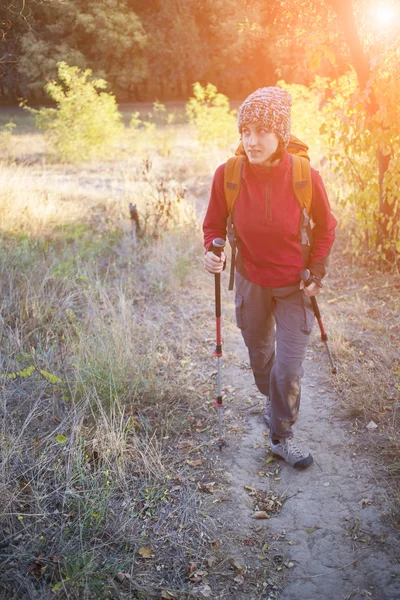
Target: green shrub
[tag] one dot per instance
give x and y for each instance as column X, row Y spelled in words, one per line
column 370, row 213
column 156, row 133
column 86, row 123
column 307, row 118
column 210, row 114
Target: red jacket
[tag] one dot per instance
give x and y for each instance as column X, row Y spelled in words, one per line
column 267, row 220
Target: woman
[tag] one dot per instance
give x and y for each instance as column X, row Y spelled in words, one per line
column 273, row 308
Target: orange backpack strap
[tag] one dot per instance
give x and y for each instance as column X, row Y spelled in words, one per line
column 232, row 179
column 296, row 146
column 301, row 179
column 302, row 187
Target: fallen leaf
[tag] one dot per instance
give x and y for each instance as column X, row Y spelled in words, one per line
column 25, row 487
column 252, row 491
column 197, row 576
column 192, row 567
column 366, row 502
column 248, row 542
column 261, row 473
column 204, row 591
column 290, row 565
column 291, row 543
column 238, row 566
column 270, row 460
column 59, row 585
column 239, row 579
column 146, row 552
column 211, row 561
column 120, row 577
column 185, row 444
column 61, row 439
column 206, row 487
column 260, row 514
column 135, row 423
column 372, row 425
column 37, row 568
column 166, row 594
column 327, row 484
column 310, row 530
column 196, row 463
column 333, row 300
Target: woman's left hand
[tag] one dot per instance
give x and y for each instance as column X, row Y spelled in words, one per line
column 311, row 290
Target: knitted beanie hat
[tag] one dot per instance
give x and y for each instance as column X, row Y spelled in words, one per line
column 269, row 106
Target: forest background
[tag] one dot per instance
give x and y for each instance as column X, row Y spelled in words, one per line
column 157, row 50
column 106, row 375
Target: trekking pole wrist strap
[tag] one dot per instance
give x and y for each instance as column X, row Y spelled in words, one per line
column 314, row 279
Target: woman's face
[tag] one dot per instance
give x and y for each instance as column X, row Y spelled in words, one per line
column 259, row 143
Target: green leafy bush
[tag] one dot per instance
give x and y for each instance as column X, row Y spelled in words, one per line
column 306, row 117
column 156, row 133
column 86, row 123
column 371, row 213
column 210, row 114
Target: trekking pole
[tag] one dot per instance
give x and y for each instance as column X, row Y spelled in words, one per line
column 218, row 246
column 305, row 276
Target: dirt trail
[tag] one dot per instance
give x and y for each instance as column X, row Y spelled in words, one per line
column 330, row 533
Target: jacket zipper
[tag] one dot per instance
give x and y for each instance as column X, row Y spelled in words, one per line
column 268, row 200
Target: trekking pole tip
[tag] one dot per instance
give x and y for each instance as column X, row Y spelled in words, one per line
column 221, row 443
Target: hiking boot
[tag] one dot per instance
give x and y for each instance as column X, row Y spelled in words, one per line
column 267, row 412
column 292, row 453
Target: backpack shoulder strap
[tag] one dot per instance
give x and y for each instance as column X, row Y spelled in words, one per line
column 232, row 178
column 296, row 146
column 302, row 184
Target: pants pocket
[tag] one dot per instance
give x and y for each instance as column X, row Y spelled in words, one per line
column 239, row 311
column 309, row 316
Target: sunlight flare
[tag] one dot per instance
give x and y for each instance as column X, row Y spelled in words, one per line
column 385, row 15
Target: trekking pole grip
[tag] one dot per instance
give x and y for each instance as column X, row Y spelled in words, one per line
column 305, row 276
column 218, row 246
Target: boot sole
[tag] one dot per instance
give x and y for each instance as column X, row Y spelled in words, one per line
column 298, row 466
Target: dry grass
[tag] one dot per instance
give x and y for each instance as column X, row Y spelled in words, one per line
column 361, row 309
column 95, row 387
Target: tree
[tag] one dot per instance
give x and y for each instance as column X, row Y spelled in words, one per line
column 330, row 33
column 14, row 19
column 361, row 62
column 103, row 35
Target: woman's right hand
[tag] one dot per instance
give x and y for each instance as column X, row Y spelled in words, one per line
column 213, row 263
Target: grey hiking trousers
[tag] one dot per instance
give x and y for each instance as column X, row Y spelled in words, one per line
column 281, row 315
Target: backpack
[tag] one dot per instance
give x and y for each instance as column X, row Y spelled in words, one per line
column 302, row 187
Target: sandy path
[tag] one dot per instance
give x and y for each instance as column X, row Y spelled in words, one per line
column 331, row 527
